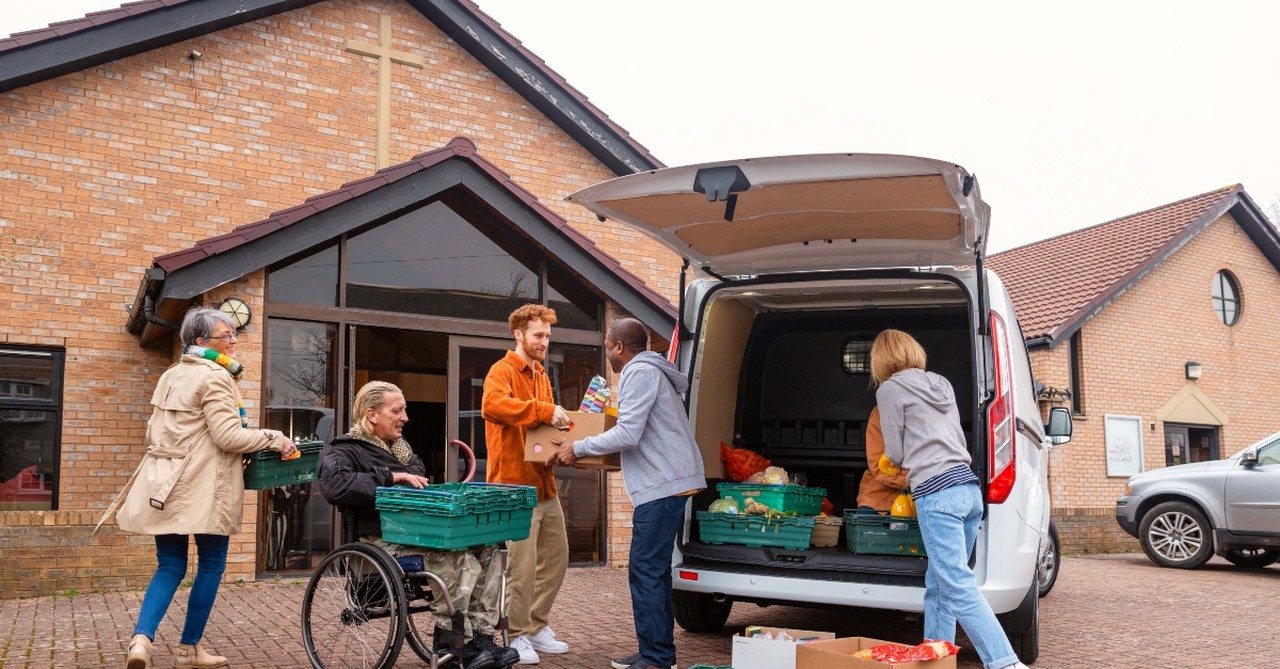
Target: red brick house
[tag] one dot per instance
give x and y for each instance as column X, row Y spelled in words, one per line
column 1157, row 329
column 379, row 182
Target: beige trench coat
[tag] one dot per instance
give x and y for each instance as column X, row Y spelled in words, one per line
column 191, row 480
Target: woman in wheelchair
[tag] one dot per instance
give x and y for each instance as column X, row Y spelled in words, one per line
column 374, row 453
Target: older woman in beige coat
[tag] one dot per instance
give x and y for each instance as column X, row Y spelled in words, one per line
column 191, row 481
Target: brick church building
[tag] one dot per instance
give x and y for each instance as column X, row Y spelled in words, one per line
column 378, row 182
column 1158, row 330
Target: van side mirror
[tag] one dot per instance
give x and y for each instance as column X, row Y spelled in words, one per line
column 1249, row 458
column 1059, row 429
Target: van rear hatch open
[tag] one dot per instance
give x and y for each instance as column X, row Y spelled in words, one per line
column 771, row 215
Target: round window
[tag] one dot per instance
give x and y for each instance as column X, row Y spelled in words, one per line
column 1226, row 297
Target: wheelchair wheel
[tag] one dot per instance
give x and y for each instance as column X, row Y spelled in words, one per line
column 419, row 621
column 353, row 611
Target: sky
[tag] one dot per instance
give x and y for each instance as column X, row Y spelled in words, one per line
column 1069, row 114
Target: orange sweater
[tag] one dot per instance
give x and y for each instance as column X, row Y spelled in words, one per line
column 878, row 489
column 517, row 396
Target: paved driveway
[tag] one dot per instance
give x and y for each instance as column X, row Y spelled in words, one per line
column 1109, row 611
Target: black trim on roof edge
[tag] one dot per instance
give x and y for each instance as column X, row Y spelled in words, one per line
column 391, row 200
column 144, row 32
column 532, row 82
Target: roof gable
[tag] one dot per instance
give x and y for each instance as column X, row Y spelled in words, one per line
column 183, row 275
column 33, row 56
column 1059, row 283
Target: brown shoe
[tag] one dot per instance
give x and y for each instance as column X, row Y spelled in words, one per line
column 195, row 657
column 139, row 652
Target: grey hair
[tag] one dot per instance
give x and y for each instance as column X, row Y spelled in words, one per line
column 199, row 322
column 371, row 395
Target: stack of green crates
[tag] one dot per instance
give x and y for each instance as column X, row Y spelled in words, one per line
column 792, row 532
column 267, row 470
column 803, row 500
column 453, row 516
column 882, row 535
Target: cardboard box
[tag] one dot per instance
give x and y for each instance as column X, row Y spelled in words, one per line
column 752, row 650
column 838, row 654
column 538, row 445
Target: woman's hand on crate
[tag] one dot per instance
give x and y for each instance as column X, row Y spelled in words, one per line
column 409, row 479
column 284, row 446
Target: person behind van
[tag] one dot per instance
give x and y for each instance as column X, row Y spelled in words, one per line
column 922, row 433
column 374, row 453
column 877, row 490
column 517, row 396
column 661, row 466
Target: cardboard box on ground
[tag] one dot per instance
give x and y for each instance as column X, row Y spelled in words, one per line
column 758, row 649
column 538, row 445
column 838, row 654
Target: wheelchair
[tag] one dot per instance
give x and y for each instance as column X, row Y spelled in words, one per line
column 361, row 605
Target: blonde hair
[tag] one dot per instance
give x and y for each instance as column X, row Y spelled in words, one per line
column 892, row 352
column 371, row 396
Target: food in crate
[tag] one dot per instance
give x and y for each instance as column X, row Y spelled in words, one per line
column 723, row 506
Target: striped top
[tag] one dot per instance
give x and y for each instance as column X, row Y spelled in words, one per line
column 957, row 475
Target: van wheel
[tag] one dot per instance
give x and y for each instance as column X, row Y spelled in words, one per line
column 700, row 612
column 1050, row 558
column 1177, row 535
column 1022, row 626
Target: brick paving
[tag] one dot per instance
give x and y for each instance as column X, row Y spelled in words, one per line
column 1112, row 611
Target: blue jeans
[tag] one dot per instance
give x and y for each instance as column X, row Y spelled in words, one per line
column 949, row 526
column 171, row 566
column 654, row 526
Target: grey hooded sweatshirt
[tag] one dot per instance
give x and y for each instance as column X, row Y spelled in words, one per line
column 921, row 424
column 659, row 455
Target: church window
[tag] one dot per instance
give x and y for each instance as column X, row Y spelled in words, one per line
column 30, row 427
column 1226, row 297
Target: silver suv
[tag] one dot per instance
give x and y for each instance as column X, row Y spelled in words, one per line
column 1184, row 514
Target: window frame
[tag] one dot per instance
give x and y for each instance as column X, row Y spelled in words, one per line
column 53, row 404
column 1224, row 278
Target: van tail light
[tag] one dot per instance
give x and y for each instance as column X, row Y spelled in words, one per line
column 1002, row 458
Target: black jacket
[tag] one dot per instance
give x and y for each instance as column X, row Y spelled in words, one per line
column 350, row 472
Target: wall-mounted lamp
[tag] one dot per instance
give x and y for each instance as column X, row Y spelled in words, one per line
column 238, row 310
column 1193, row 370
column 195, row 54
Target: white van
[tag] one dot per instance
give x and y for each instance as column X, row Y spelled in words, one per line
column 810, row 257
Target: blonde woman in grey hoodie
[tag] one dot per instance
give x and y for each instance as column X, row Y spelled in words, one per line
column 922, row 434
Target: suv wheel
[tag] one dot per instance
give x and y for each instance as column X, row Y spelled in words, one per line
column 1177, row 535
column 1252, row 558
column 700, row 612
column 1050, row 558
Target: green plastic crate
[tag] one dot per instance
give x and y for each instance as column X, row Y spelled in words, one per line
column 882, row 535
column 266, row 469
column 453, row 516
column 752, row 530
column 805, row 501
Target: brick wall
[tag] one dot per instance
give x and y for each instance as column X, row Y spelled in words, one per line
column 1132, row 354
column 106, row 168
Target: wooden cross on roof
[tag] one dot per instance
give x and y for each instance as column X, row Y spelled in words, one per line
column 385, row 55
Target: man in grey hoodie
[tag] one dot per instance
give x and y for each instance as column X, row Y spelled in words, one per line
column 661, row 467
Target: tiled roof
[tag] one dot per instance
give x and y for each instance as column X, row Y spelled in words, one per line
column 1058, row 282
column 458, row 148
column 69, row 46
column 64, row 28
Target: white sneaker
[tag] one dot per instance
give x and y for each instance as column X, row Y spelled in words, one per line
column 545, row 640
column 523, row 646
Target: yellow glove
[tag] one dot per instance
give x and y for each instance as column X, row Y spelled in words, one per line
column 903, row 506
column 887, row 466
